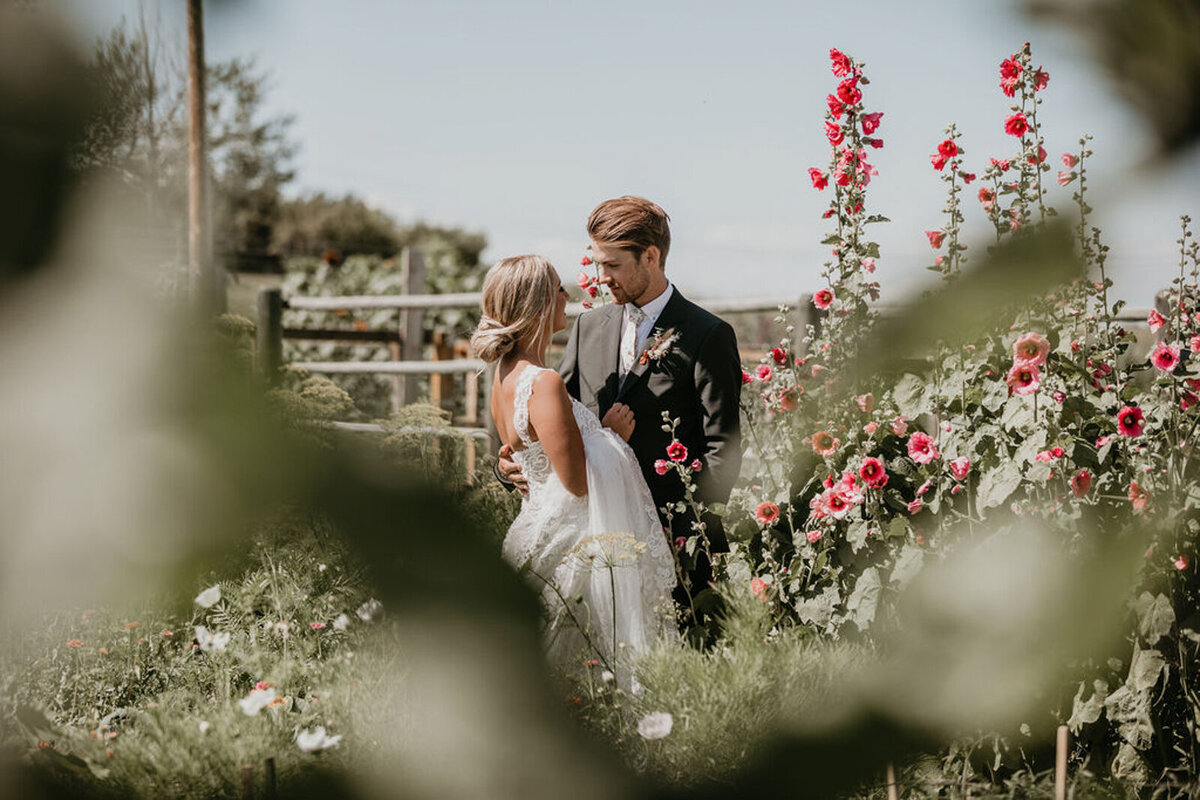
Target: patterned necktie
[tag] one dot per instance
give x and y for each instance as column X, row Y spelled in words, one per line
column 629, row 337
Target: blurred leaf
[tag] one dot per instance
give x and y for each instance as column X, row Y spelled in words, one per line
column 1155, row 616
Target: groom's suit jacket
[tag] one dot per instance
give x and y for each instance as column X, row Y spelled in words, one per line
column 697, row 381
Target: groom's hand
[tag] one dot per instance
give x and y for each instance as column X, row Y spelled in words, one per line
column 510, row 470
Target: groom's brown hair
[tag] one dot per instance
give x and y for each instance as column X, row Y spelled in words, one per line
column 631, row 223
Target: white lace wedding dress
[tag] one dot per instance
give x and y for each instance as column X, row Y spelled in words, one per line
column 602, row 561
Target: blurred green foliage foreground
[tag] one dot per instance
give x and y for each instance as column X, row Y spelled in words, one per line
column 367, row 637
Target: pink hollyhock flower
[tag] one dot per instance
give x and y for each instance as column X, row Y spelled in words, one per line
column 948, row 148
column 1194, row 345
column 916, row 505
column 836, row 107
column 935, row 238
column 833, row 132
column 939, row 161
column 1069, row 160
column 696, row 465
column 316, row 626
column 828, row 482
column 747, row 377
column 870, row 428
column 899, row 426
column 1081, row 483
column 870, row 122
column 1155, row 320
column 759, row 587
column 865, row 402
column 1044, row 456
column 868, row 264
column 1030, row 350
column 787, row 400
column 680, row 542
column 262, row 686
column 1165, row 357
column 838, row 504
column 1039, row 158
column 813, row 536
column 823, row 298
column 841, row 62
column 1040, row 79
column 873, row 473
column 586, row 305
column 1103, row 440
column 1130, row 421
column 924, row 488
column 766, row 513
column 824, row 443
column 583, row 280
column 1059, row 396
column 921, row 448
column 1181, row 562
column 1188, row 400
column 959, row 468
column 661, row 466
column 764, row 372
column 676, row 451
column 1001, row 163
column 779, row 355
column 1016, row 125
column 1023, row 380
column 1139, row 498
column 848, row 91
column 1065, row 177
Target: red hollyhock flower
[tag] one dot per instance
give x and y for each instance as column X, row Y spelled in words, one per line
column 585, row 261
column 1165, row 357
column 986, row 195
column 833, row 132
column 848, row 91
column 1023, row 379
column 938, row 160
column 959, row 467
column 764, row 372
column 935, row 238
column 1010, row 75
column 696, row 466
column 766, row 513
column 819, row 179
column 841, row 62
column 747, row 377
column 1016, row 125
column 876, row 143
column 967, row 176
column 1040, row 79
column 921, row 448
column 823, row 299
column 873, row 473
column 1081, row 483
column 1130, row 421
column 836, row 107
column 1039, row 158
column 948, row 148
column 583, row 280
column 661, row 466
column 779, row 355
column 870, row 122
column 676, row 451
column 1155, row 320
column 1138, row 497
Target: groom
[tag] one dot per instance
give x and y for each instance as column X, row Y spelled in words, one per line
column 656, row 351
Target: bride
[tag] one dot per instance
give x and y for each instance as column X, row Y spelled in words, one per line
column 588, row 535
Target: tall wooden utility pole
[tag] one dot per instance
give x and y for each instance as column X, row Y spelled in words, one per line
column 203, row 283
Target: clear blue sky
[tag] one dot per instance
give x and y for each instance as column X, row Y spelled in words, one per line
column 515, row 118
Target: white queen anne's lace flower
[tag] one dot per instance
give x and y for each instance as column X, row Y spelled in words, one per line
column 209, row 597
column 655, row 726
column 310, row 741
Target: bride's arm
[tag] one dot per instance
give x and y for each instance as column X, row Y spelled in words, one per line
column 551, row 418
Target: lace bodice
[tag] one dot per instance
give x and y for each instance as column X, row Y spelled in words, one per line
column 535, row 464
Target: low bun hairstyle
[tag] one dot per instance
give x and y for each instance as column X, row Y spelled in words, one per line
column 518, row 304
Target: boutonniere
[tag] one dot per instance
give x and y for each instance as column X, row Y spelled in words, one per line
column 659, row 345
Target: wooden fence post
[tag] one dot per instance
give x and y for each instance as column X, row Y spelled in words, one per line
column 269, row 335
column 441, row 387
column 412, row 322
column 1060, row 763
column 269, row 770
column 247, row 782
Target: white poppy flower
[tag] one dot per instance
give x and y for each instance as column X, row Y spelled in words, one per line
column 655, row 726
column 256, row 701
column 314, row 740
column 211, row 642
column 209, row 597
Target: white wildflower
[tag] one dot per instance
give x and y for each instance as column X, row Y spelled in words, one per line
column 369, row 609
column 211, row 641
column 607, row 676
column 209, row 597
column 314, row 740
column 256, row 701
column 321, row 568
column 283, row 627
column 656, row 725
column 341, row 622
column 205, row 725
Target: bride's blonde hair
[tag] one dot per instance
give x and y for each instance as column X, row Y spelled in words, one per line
column 518, row 303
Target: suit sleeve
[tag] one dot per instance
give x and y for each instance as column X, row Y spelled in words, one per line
column 568, row 368
column 718, row 376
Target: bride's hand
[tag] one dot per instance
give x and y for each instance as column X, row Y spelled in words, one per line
column 619, row 419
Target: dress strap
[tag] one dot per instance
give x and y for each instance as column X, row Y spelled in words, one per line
column 521, row 403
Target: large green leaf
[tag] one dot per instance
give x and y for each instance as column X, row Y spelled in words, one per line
column 864, row 600
column 998, row 483
column 1155, row 616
